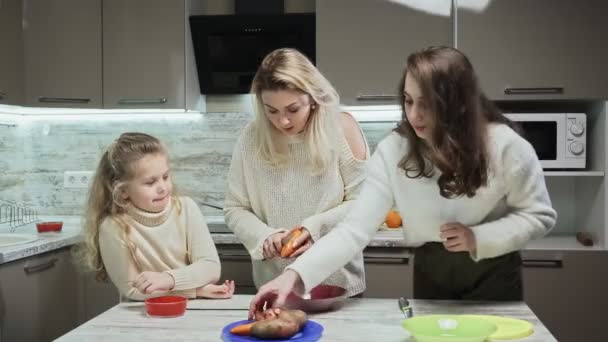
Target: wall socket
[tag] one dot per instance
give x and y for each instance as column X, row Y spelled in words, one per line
column 77, row 179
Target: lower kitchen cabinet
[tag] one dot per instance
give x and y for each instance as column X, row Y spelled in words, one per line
column 568, row 292
column 97, row 296
column 39, row 297
column 236, row 265
column 388, row 272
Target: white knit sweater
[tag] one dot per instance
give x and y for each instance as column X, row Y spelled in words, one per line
column 513, row 208
column 172, row 241
column 262, row 200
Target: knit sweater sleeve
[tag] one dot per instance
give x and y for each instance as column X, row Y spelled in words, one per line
column 204, row 267
column 120, row 264
column 238, row 214
column 531, row 214
column 353, row 173
column 357, row 229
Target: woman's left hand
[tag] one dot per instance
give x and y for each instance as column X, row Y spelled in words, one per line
column 457, row 237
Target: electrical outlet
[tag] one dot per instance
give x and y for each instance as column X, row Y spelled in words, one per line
column 77, row 179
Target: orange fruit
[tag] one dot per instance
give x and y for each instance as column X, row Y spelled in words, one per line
column 393, row 219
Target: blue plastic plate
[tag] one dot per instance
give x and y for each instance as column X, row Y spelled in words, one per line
column 311, row 332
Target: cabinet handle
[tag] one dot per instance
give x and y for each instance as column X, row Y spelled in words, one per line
column 234, row 256
column 385, row 260
column 41, row 267
column 155, row 100
column 538, row 263
column 534, row 91
column 62, row 100
column 381, row 97
column 2, row 95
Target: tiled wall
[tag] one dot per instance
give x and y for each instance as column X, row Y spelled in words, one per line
column 35, row 153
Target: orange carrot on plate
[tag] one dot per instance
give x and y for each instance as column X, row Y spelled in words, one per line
column 243, row 329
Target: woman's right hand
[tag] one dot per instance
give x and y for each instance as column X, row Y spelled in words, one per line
column 275, row 292
column 273, row 245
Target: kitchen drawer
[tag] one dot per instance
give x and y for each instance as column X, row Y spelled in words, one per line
column 388, row 272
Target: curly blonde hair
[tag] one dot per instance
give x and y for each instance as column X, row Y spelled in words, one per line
column 116, row 168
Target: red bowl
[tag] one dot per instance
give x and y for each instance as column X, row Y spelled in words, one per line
column 166, row 306
column 44, row 227
column 322, row 298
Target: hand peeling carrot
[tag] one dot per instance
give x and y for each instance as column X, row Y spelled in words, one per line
column 289, row 248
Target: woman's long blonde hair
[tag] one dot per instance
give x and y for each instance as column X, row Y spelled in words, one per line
column 289, row 69
column 115, row 169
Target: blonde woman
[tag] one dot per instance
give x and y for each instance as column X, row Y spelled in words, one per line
column 300, row 163
column 137, row 232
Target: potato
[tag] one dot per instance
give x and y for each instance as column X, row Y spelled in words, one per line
column 294, row 315
column 275, row 329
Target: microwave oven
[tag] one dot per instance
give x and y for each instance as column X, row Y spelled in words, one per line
column 229, row 48
column 559, row 139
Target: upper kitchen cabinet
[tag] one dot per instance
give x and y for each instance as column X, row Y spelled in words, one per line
column 542, row 49
column 11, row 54
column 62, row 53
column 362, row 45
column 143, row 53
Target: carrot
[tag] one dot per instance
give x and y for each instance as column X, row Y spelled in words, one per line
column 289, row 247
column 243, row 329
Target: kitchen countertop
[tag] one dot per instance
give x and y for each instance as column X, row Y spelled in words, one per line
column 70, row 235
column 363, row 319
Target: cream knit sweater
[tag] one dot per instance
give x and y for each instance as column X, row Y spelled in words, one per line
column 262, row 200
column 173, row 241
column 512, row 209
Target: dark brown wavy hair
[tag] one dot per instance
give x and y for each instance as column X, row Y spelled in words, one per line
column 460, row 112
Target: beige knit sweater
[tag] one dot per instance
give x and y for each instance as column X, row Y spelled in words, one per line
column 261, row 200
column 173, row 241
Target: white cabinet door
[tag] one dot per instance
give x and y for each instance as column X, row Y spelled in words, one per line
column 62, row 51
column 11, row 53
column 362, row 45
column 143, row 53
column 541, row 49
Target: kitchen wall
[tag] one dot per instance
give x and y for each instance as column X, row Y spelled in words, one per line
column 35, row 153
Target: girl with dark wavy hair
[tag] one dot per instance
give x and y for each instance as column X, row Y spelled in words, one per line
column 470, row 189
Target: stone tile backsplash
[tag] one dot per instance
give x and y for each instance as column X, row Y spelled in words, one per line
column 36, row 151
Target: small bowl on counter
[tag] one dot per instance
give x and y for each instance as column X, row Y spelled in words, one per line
column 46, row 227
column 166, row 306
column 320, row 299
